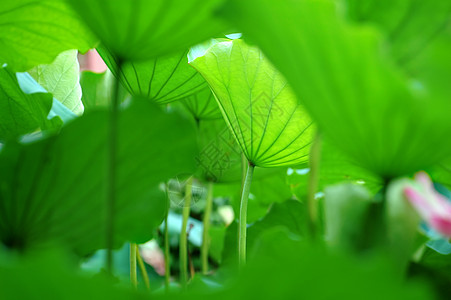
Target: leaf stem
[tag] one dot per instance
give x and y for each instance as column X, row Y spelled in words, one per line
column 312, row 206
column 111, row 168
column 205, row 234
column 167, row 259
column 183, row 235
column 133, row 274
column 142, row 268
column 243, row 215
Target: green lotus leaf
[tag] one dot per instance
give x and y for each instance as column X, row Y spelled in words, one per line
column 96, row 89
column 367, row 106
column 22, row 113
column 144, row 29
column 61, row 78
column 262, row 111
column 163, row 79
column 202, row 105
column 219, row 158
column 409, row 26
column 35, row 32
column 54, row 190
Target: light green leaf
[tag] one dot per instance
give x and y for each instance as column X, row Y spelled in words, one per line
column 54, row 190
column 365, row 105
column 35, row 32
column 409, row 26
column 142, row 29
column 269, row 124
column 163, row 79
column 22, row 113
column 61, row 78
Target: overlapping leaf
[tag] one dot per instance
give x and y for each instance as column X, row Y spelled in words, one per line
column 35, row 32
column 410, row 26
column 202, row 105
column 96, row 89
column 54, row 189
column 61, row 78
column 219, row 158
column 22, row 113
column 143, row 29
column 360, row 100
column 163, row 79
column 269, row 124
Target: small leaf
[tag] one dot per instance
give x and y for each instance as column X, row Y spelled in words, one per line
column 163, row 79
column 22, row 113
column 202, row 105
column 96, row 89
column 61, row 78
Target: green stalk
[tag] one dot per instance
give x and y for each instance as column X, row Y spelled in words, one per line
column 243, row 215
column 312, row 206
column 183, row 238
column 167, row 262
column 111, row 167
column 205, row 235
column 133, row 274
column 142, row 268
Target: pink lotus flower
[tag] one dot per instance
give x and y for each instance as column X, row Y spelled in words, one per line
column 432, row 207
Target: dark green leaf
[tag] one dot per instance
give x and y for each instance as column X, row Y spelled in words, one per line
column 22, row 113
column 54, row 189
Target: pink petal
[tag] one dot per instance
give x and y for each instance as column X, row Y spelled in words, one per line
column 441, row 225
column 420, row 203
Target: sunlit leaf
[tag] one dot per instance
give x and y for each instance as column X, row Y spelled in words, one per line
column 163, row 79
column 269, row 124
column 35, row 32
column 61, row 79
